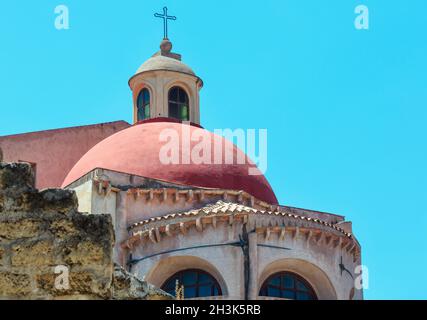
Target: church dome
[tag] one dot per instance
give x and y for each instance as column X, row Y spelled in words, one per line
column 136, row 151
column 160, row 62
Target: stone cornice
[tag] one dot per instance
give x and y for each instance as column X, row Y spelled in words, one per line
column 199, row 194
column 264, row 223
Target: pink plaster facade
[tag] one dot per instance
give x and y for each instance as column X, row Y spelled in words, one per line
column 55, row 152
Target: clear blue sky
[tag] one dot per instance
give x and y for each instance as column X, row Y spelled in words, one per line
column 345, row 109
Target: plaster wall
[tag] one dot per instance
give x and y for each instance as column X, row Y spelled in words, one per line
column 55, row 152
column 84, row 194
column 224, row 262
column 216, row 250
column 317, row 263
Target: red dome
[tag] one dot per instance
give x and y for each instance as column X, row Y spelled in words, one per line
column 136, row 151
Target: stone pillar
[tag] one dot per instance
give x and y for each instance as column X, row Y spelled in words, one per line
column 253, row 266
column 120, row 254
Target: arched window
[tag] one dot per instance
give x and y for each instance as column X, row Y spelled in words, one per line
column 143, row 104
column 197, row 283
column 287, row 285
column 179, row 104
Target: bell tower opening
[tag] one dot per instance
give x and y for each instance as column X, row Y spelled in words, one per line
column 143, row 105
column 178, row 104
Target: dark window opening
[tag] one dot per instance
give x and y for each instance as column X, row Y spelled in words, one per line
column 197, row 283
column 287, row 285
column 179, row 104
column 143, row 105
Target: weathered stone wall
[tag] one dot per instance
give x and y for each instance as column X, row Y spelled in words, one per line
column 41, row 230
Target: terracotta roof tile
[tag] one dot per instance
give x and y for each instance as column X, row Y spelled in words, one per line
column 221, row 208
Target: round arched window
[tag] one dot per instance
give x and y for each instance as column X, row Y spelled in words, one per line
column 287, row 285
column 179, row 104
column 197, row 283
column 143, row 104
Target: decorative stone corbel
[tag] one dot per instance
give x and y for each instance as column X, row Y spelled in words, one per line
column 267, row 234
column 150, row 196
column 345, row 244
column 190, row 195
column 245, row 219
column 168, row 230
column 296, row 233
column 199, row 225
column 183, row 228
column 282, row 234
column 214, row 221
column 351, row 248
column 319, row 237
column 337, row 242
column 201, row 195
column 158, row 235
column 231, row 219
column 308, row 236
column 151, row 236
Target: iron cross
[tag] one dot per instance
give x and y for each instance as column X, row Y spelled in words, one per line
column 165, row 18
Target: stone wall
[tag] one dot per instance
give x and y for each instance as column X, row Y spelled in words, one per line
column 43, row 238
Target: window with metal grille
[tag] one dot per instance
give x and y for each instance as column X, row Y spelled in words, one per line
column 143, row 104
column 179, row 104
column 287, row 285
column 197, row 283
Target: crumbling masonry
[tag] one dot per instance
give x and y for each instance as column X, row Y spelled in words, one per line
column 44, row 239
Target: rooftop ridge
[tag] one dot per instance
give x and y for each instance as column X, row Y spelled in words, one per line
column 65, row 129
column 224, row 207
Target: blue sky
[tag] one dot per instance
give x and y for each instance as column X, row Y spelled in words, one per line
column 345, row 109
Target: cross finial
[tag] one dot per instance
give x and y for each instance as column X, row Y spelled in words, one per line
column 165, row 18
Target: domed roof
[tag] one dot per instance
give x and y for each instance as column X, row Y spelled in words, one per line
column 136, row 151
column 161, row 62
